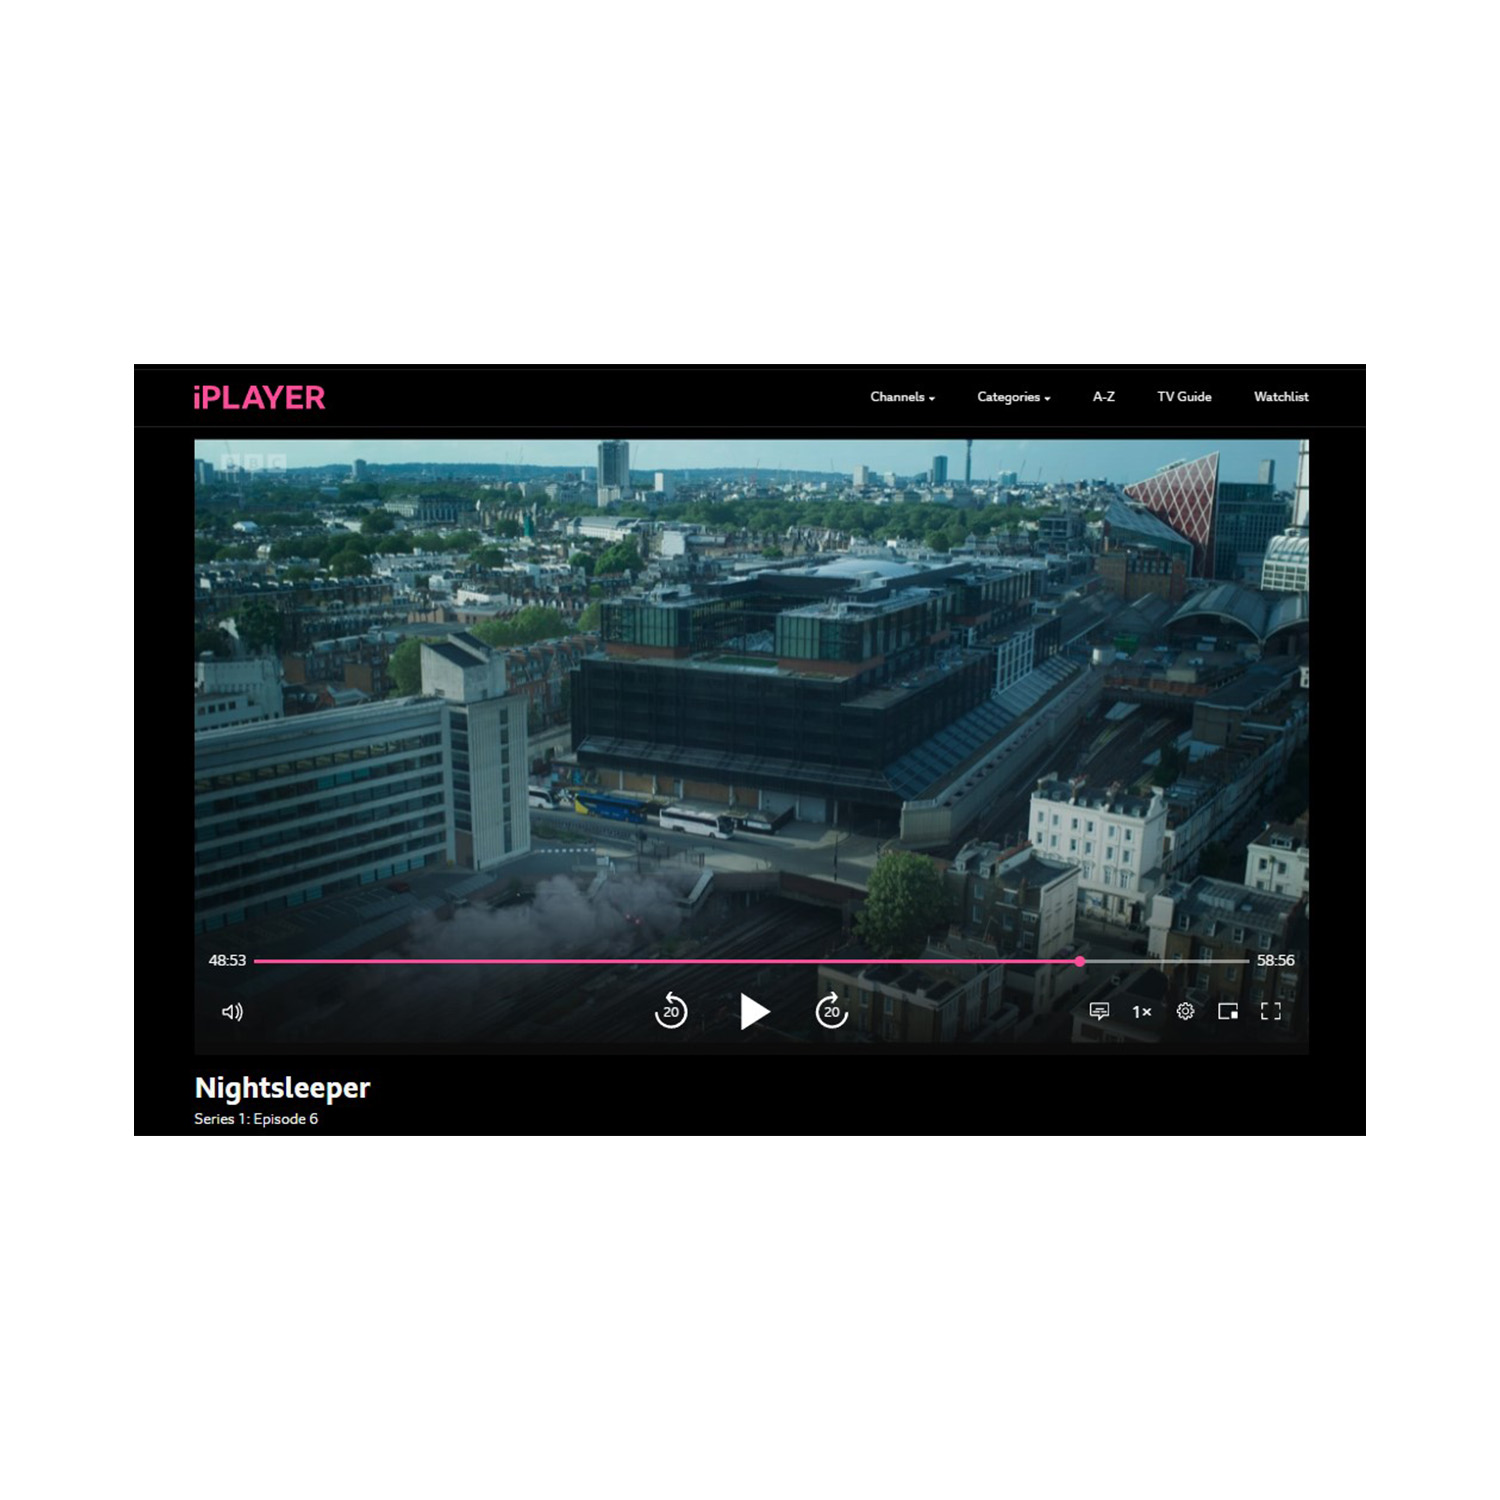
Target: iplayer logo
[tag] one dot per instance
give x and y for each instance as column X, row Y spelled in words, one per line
column 258, row 398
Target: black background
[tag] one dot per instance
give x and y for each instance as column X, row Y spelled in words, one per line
column 737, row 1089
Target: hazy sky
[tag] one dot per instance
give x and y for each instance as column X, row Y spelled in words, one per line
column 1120, row 459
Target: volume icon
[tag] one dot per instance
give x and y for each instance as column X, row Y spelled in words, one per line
column 235, row 1012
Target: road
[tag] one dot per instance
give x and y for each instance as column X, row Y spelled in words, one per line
column 800, row 848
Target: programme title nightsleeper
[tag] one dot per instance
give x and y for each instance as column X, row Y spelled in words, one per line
column 232, row 1091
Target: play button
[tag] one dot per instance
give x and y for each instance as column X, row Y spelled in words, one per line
column 751, row 1011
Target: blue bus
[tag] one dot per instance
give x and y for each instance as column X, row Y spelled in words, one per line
column 609, row 805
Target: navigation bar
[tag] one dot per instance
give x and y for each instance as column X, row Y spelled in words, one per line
column 680, row 400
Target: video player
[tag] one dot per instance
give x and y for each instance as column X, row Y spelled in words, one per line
column 602, row 712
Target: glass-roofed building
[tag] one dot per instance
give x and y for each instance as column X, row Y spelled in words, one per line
column 1134, row 526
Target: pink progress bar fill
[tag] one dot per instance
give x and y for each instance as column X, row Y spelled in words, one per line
column 671, row 963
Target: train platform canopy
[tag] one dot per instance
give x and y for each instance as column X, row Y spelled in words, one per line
column 1263, row 615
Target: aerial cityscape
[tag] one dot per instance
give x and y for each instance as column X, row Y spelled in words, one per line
column 899, row 719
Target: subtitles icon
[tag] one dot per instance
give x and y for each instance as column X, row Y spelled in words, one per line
column 1099, row 1010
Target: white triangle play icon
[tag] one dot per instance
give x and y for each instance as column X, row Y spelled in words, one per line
column 750, row 1011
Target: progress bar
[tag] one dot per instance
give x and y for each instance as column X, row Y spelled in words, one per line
column 757, row 963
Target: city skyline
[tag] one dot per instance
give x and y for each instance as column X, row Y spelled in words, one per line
column 1059, row 460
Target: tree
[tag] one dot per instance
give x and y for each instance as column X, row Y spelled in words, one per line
column 623, row 557
column 260, row 625
column 205, row 551
column 584, row 560
column 406, row 667
column 589, row 619
column 348, row 563
column 1168, row 768
column 489, row 557
column 771, row 554
column 213, row 640
column 377, row 523
column 297, row 575
column 534, row 623
column 905, row 902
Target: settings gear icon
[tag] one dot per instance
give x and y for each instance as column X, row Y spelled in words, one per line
column 1185, row 1011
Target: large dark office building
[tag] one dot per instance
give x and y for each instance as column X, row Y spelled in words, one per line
column 838, row 690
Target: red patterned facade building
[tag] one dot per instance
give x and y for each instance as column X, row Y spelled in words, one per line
column 1183, row 497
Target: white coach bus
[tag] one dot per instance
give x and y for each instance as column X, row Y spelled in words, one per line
column 695, row 820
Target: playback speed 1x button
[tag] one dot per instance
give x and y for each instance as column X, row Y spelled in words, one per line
column 829, row 1012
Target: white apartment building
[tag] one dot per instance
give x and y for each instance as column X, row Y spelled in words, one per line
column 1278, row 860
column 1115, row 838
